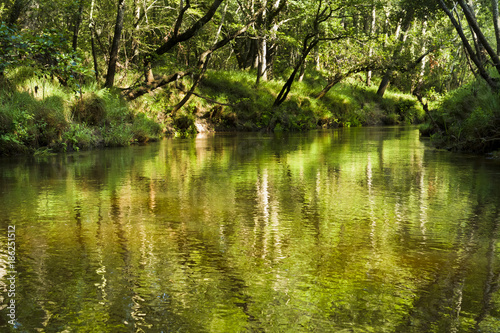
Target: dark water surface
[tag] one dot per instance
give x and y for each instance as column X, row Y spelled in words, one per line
column 350, row 230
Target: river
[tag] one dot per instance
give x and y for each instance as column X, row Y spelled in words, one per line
column 347, row 230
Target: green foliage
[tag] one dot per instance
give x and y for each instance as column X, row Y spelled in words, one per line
column 47, row 52
column 468, row 118
column 79, row 136
column 184, row 123
column 145, row 129
column 90, row 110
column 57, row 120
column 116, row 135
column 25, row 121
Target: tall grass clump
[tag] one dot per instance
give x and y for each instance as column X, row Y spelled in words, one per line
column 27, row 123
column 37, row 113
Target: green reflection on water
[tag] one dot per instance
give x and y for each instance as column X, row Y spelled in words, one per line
column 353, row 230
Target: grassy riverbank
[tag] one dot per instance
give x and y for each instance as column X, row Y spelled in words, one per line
column 466, row 119
column 38, row 115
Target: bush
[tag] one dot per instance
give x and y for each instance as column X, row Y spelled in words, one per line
column 116, row 135
column 468, row 119
column 184, row 122
column 79, row 136
column 145, row 129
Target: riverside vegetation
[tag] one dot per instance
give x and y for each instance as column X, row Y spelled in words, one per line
column 144, row 70
column 57, row 119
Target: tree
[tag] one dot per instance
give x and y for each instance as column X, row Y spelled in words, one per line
column 202, row 65
column 475, row 57
column 178, row 37
column 401, row 38
column 311, row 39
column 113, row 55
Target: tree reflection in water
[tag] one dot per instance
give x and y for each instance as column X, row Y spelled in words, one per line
column 346, row 230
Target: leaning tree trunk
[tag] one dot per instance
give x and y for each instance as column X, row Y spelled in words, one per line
column 288, row 85
column 115, row 46
column 135, row 92
column 480, row 36
column 180, row 37
column 492, row 82
column 331, row 83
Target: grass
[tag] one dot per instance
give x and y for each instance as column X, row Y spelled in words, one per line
column 40, row 115
column 347, row 104
column 468, row 119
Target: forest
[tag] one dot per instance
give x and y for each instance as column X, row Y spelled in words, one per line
column 78, row 74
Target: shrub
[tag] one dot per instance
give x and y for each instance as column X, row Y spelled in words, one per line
column 116, row 135
column 184, row 122
column 79, row 136
column 145, row 129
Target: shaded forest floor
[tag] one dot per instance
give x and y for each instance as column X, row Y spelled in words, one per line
column 39, row 116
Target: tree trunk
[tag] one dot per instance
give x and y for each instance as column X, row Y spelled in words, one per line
column 113, row 55
column 94, row 56
column 179, row 37
column 310, row 41
column 92, row 41
column 302, row 72
column 384, row 84
column 76, row 28
column 288, row 85
column 138, row 16
column 370, row 52
column 260, row 58
column 422, row 59
column 496, row 23
column 135, row 92
column 263, row 58
column 482, row 39
column 492, row 82
column 193, row 87
column 331, row 83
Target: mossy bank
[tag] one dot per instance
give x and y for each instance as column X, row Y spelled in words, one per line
column 39, row 116
column 465, row 120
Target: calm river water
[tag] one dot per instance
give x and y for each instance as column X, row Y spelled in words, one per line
column 349, row 230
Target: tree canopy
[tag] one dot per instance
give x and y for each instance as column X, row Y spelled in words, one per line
column 140, row 46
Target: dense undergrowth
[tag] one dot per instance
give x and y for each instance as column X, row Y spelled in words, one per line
column 38, row 115
column 466, row 119
column 347, row 104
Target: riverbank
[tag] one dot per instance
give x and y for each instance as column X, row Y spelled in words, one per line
column 466, row 120
column 39, row 116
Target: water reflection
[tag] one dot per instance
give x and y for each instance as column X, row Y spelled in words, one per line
column 347, row 230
